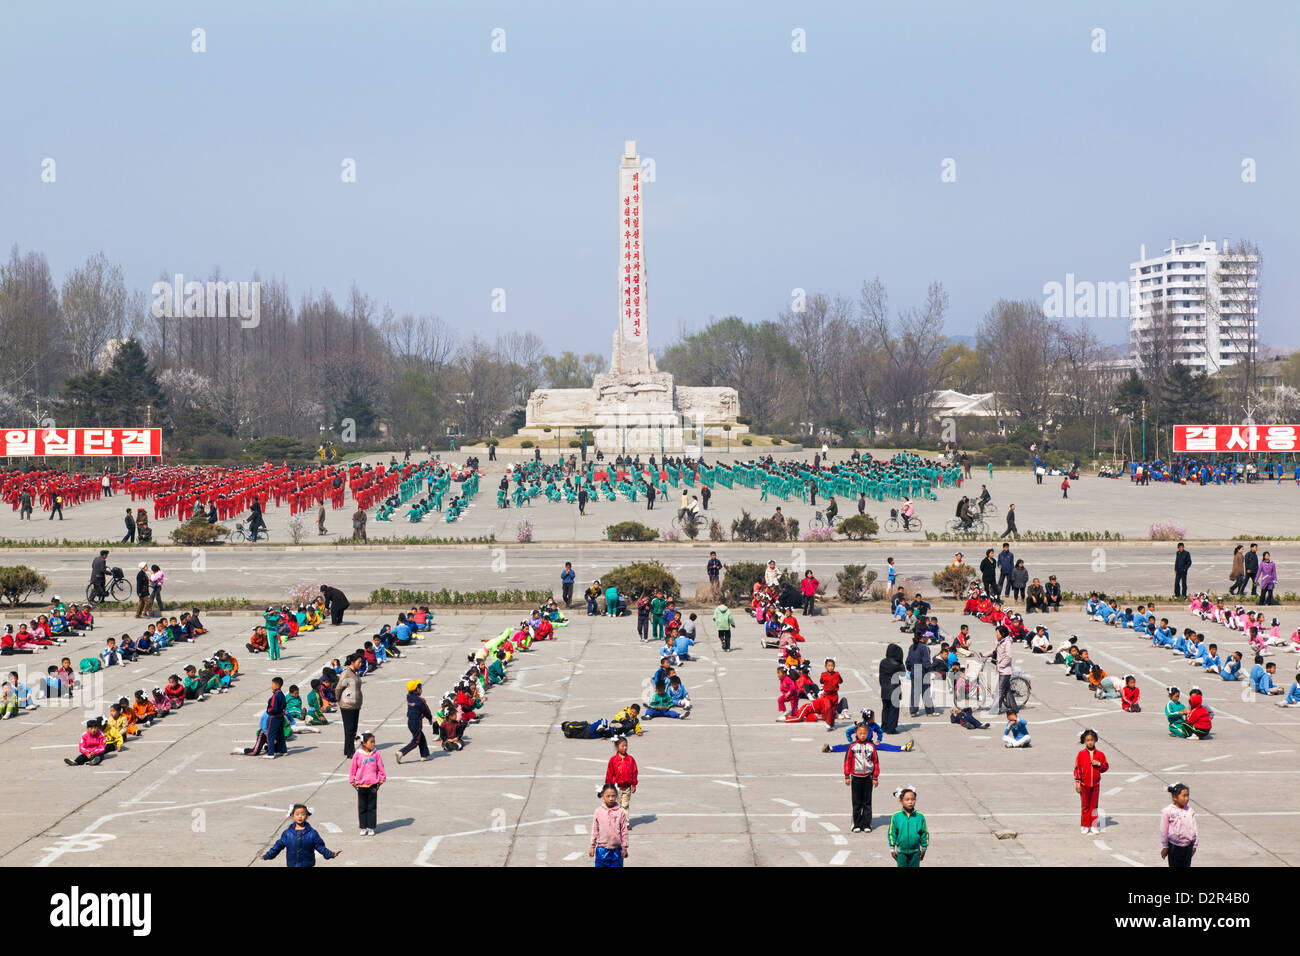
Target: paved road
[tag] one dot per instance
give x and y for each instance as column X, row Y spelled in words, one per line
column 1133, row 568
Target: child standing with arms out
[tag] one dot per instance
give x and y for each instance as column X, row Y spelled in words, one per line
column 1089, row 765
column 908, row 836
column 609, row 829
column 301, row 840
column 367, row 775
column 621, row 773
column 1178, row 837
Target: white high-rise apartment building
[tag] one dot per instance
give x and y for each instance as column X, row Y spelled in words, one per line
column 1196, row 301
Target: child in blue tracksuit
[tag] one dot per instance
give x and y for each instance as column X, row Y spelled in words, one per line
column 1180, row 642
column 682, row 646
column 874, row 736
column 1232, row 669
column 1262, row 682
column 1210, row 659
column 301, row 841
column 1292, row 698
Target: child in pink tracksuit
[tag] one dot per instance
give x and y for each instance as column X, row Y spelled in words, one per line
column 366, row 775
column 789, row 691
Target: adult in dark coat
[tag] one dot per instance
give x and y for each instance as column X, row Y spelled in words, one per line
column 130, row 527
column 1182, row 561
column 1006, row 564
column 1252, row 568
column 989, row 572
column 919, row 666
column 336, row 602
column 892, row 669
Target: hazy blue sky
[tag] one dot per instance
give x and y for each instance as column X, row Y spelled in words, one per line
column 775, row 169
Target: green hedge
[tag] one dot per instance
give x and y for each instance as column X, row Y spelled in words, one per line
column 642, row 577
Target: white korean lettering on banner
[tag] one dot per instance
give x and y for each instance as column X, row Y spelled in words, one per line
column 20, row 441
column 58, row 441
column 1200, row 438
column 1280, row 438
column 136, row 441
column 1242, row 438
column 97, row 441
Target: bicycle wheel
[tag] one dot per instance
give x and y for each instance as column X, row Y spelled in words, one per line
column 818, row 522
column 892, row 524
column 121, row 590
column 91, row 596
column 1020, row 690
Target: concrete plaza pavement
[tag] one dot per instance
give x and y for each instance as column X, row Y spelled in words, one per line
column 1094, row 505
column 730, row 785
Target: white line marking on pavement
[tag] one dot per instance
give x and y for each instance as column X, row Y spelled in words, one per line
column 332, row 828
column 218, row 770
column 512, row 753
column 51, row 747
column 181, row 765
column 1100, row 846
column 591, row 759
column 1135, row 778
column 788, row 803
column 1095, row 713
column 662, row 769
column 1112, row 791
column 574, row 855
column 801, row 740
column 728, row 783
column 512, row 796
column 147, row 801
column 1220, row 757
column 1177, row 766
column 112, row 771
column 829, row 827
column 1124, row 859
column 839, row 839
column 1262, row 752
column 279, row 810
column 839, row 858
column 579, row 828
column 559, row 813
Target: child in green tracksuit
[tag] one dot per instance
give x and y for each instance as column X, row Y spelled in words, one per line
column 657, row 607
column 315, row 716
column 497, row 669
column 908, row 836
column 273, row 643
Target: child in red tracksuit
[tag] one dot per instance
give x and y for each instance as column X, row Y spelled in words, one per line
column 621, row 772
column 831, row 680
column 1089, row 765
column 789, row 690
column 1130, row 694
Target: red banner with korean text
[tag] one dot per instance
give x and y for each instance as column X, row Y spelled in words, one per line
column 1235, row 439
column 80, row 442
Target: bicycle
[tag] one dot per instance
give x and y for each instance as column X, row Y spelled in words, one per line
column 119, row 589
column 682, row 524
column 977, row 525
column 980, row 689
column 820, row 521
column 242, row 534
column 987, row 507
column 895, row 522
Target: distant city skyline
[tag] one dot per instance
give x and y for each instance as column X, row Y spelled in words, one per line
column 774, row 170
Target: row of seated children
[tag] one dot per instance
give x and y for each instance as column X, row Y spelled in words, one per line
column 1259, row 636
column 157, row 637
column 127, row 718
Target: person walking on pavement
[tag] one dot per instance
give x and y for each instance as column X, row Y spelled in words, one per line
column 56, row 506
column 566, row 583
column 320, row 519
column 1237, row 575
column 359, row 524
column 1182, row 561
column 130, row 527
column 25, row 505
column 724, row 622
column 350, row 702
column 156, row 584
column 1011, row 524
column 142, row 589
column 705, row 494
column 1252, row 569
column 650, row 497
column 582, row 501
column 1006, row 564
column 417, row 712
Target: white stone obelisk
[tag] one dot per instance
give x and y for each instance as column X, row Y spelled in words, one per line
column 631, row 340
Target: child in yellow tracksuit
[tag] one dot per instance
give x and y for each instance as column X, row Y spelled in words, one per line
column 113, row 728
